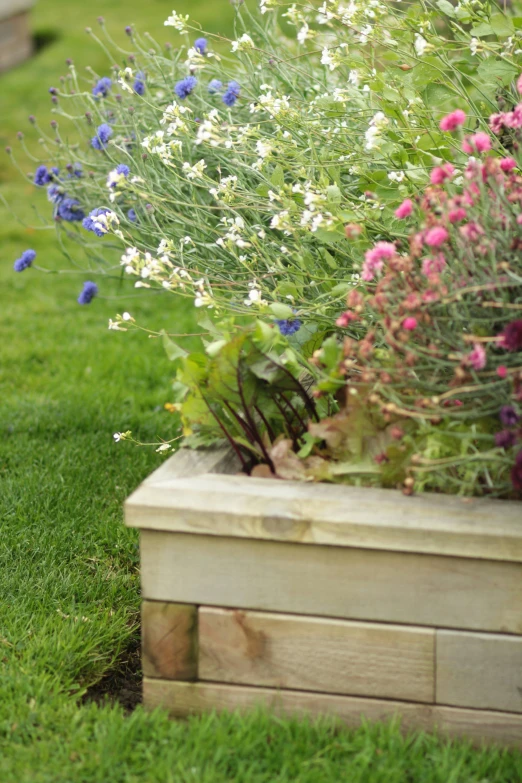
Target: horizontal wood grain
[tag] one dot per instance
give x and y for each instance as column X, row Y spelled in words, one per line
column 316, row 654
column 169, row 640
column 181, row 699
column 186, row 495
column 479, row 670
column 351, row 584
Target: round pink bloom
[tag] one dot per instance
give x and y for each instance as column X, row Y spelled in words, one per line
column 479, row 142
column 374, row 259
column 519, row 83
column 519, row 219
column 496, row 123
column 513, row 119
column 405, row 209
column 471, row 231
column 432, row 266
column 435, row 237
column 477, row 358
column 409, row 323
column 456, row 215
column 439, row 174
column 452, row 121
column 502, row 371
column 508, row 164
column 345, row 318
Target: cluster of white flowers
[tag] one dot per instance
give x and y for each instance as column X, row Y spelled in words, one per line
column 274, row 105
column 267, row 5
column 377, row 124
column 159, row 270
column 156, row 145
column 209, row 130
column 225, row 189
column 196, row 171
column 243, row 43
column 177, row 21
column 105, row 222
column 235, row 226
column 203, row 298
column 125, row 77
column 254, row 295
column 173, row 118
column 420, row 44
column 115, row 179
column 332, row 56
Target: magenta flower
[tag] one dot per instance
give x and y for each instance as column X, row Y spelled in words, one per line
column 508, row 164
column 435, row 237
column 452, row 121
column 511, row 337
column 409, row 323
column 374, row 259
column 456, row 215
column 502, row 371
column 441, row 173
column 405, row 209
column 432, row 266
column 479, row 142
column 477, row 358
column 471, row 231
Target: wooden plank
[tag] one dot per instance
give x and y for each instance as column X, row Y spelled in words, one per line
column 182, row 699
column 316, row 654
column 334, row 515
column 169, row 640
column 351, row 584
column 190, row 463
column 479, row 670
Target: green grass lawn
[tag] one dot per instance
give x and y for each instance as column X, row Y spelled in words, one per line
column 69, row 580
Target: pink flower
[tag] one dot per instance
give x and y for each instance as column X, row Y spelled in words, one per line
column 405, row 209
column 479, row 142
column 409, row 323
column 519, row 83
column 502, row 371
column 345, row 318
column 477, row 357
column 432, row 266
column 374, row 259
column 471, row 231
column 456, row 215
column 513, row 119
column 435, row 237
column 508, row 164
column 452, row 121
column 519, row 219
column 439, row 174
column 496, row 123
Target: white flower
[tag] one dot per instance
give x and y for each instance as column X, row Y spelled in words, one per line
column 365, row 33
column 266, row 5
column 473, row 46
column 115, row 179
column 396, row 176
column 163, row 447
column 245, row 42
column 263, row 149
column 177, row 21
column 303, row 33
column 354, row 77
column 195, row 171
column 420, row 45
column 330, row 58
column 127, row 317
column 372, row 135
column 118, row 436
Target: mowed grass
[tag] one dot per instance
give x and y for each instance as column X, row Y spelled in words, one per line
column 69, row 569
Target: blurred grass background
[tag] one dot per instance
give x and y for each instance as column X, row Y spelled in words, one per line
column 69, row 578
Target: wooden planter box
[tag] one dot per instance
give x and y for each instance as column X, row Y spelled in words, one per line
column 314, row 598
column 16, row 43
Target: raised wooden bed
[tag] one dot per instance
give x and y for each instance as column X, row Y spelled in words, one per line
column 15, row 37
column 326, row 599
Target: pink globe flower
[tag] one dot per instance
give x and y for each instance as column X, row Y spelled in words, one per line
column 409, row 323
column 374, row 259
column 452, row 121
column 519, row 84
column 479, row 142
column 435, row 237
column 502, row 371
column 508, row 164
column 433, row 266
column 405, row 209
column 457, row 214
column 441, row 173
column 477, row 358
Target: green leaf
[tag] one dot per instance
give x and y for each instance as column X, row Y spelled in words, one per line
column 334, row 194
column 172, row 349
column 281, row 310
column 278, row 177
column 502, row 25
column 214, row 348
column 496, row 71
column 446, row 7
column 341, row 289
column 481, row 30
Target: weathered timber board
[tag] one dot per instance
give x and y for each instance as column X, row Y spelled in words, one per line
column 316, row 654
column 479, row 670
column 351, row 584
column 169, row 640
column 178, row 498
column 181, row 699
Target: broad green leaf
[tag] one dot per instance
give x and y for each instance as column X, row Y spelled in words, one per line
column 446, row 7
column 281, row 310
column 502, row 25
column 172, row 349
column 481, row 30
column 496, row 71
column 278, row 177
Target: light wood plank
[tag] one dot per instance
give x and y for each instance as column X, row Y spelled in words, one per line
column 169, row 640
column 190, row 463
column 296, row 512
column 182, row 699
column 479, row 670
column 316, row 654
column 351, row 584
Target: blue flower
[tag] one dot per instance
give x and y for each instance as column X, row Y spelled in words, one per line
column 25, row 260
column 87, row 293
column 200, row 45
column 214, row 86
column 91, row 224
column 75, row 170
column 131, row 214
column 102, row 87
column 288, row 327
column 103, row 134
column 54, row 172
column 185, row 87
column 42, row 176
column 122, row 168
column 232, row 93
column 69, row 209
column 55, row 193
column 139, row 87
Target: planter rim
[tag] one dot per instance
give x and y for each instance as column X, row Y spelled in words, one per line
column 197, row 492
column 9, row 8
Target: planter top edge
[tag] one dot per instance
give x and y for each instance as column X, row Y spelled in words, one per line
column 196, row 492
column 10, row 8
